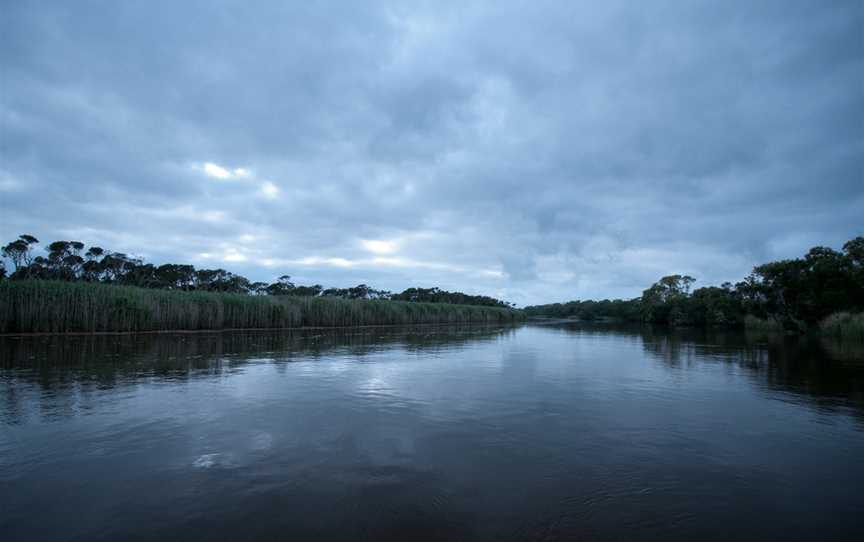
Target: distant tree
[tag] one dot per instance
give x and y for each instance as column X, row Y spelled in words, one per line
column 141, row 274
column 177, row 277
column 854, row 250
column 282, row 286
column 91, row 269
column 20, row 252
column 307, row 291
column 361, row 291
column 64, row 260
column 116, row 265
column 664, row 301
column 258, row 288
column 437, row 295
column 220, row 280
column 713, row 306
column 854, row 255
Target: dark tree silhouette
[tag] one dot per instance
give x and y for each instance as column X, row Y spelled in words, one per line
column 64, row 261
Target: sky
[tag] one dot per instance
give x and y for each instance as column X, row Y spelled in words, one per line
column 533, row 151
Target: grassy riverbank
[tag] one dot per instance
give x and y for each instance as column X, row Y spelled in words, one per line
column 59, row 307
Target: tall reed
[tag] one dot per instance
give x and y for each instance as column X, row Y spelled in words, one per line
column 753, row 323
column 844, row 325
column 57, row 307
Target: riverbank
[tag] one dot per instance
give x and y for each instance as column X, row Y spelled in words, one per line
column 846, row 326
column 77, row 307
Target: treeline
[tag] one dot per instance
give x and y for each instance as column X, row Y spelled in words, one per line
column 68, row 261
column 794, row 295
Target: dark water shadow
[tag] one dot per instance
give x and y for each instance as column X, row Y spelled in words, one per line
column 826, row 372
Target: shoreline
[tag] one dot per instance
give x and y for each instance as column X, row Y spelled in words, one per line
column 54, row 307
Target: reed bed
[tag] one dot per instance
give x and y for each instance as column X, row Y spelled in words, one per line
column 844, row 326
column 753, row 323
column 64, row 307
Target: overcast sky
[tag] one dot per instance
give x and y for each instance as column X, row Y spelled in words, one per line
column 534, row 151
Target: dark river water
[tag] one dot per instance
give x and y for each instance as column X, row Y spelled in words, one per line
column 554, row 432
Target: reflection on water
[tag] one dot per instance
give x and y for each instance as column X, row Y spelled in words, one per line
column 819, row 368
column 431, row 433
column 67, row 369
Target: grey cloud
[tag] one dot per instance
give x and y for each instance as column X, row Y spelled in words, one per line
column 536, row 150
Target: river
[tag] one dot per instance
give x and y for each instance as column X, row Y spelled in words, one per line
column 536, row 432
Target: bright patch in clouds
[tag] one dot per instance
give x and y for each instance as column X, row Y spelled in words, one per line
column 233, row 256
column 335, row 262
column 218, row 172
column 379, row 246
column 379, row 262
column 269, row 190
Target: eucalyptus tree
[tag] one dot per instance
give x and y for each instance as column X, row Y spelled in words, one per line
column 91, row 269
column 20, row 253
column 176, row 277
column 282, row 286
column 116, row 265
column 64, row 260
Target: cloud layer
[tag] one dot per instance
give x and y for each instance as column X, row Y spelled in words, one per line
column 535, row 151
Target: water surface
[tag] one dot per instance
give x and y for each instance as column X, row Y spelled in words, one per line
column 564, row 432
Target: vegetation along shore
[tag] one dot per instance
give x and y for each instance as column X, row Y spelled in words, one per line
column 73, row 290
column 823, row 290
column 39, row 306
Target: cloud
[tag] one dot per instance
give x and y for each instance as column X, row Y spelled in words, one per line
column 538, row 151
column 269, row 190
column 379, row 246
column 218, row 172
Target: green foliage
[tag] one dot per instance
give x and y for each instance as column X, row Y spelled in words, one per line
column 844, row 326
column 590, row 310
column 56, row 306
column 754, row 323
column 436, row 295
column 64, row 262
column 792, row 295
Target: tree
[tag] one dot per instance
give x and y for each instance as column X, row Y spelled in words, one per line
column 176, row 277
column 854, row 256
column 258, row 288
column 801, row 292
column 64, row 260
column 282, row 286
column 116, row 265
column 308, row 291
column 20, row 252
column 91, row 269
column 664, row 301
